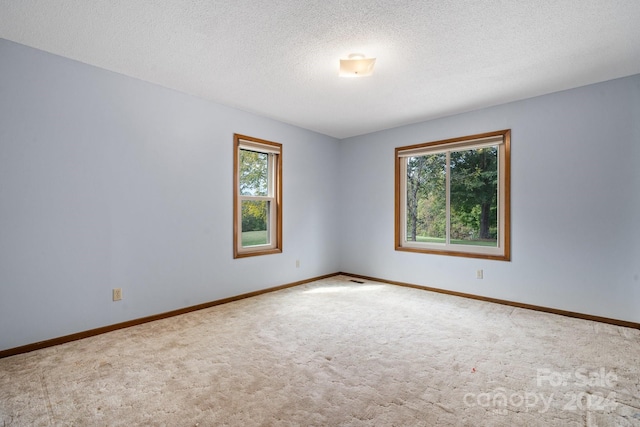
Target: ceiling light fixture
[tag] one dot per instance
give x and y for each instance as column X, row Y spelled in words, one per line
column 356, row 66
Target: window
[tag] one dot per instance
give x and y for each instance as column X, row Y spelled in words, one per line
column 257, row 207
column 452, row 197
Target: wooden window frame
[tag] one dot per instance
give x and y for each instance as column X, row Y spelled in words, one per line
column 274, row 150
column 503, row 251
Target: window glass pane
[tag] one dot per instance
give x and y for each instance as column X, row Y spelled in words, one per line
column 474, row 197
column 426, row 198
column 254, row 173
column 255, row 220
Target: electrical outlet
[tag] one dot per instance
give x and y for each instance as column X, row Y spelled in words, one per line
column 479, row 274
column 117, row 294
column 297, row 263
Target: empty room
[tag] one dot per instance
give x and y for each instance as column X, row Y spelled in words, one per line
column 338, row 213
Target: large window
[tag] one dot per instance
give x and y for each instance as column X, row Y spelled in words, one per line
column 257, row 208
column 452, row 197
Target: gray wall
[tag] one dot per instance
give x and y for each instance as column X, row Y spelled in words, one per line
column 108, row 181
column 575, row 203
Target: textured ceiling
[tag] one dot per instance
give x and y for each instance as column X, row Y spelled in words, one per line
column 280, row 58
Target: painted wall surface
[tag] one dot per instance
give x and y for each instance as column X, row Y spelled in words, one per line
column 107, row 181
column 575, row 203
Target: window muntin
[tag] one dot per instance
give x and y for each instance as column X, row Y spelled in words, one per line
column 452, row 197
column 257, row 197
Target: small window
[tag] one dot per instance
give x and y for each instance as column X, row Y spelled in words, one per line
column 452, row 197
column 257, row 208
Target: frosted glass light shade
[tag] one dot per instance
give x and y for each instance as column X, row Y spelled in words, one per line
column 356, row 66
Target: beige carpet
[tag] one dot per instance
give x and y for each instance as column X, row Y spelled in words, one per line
column 335, row 353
